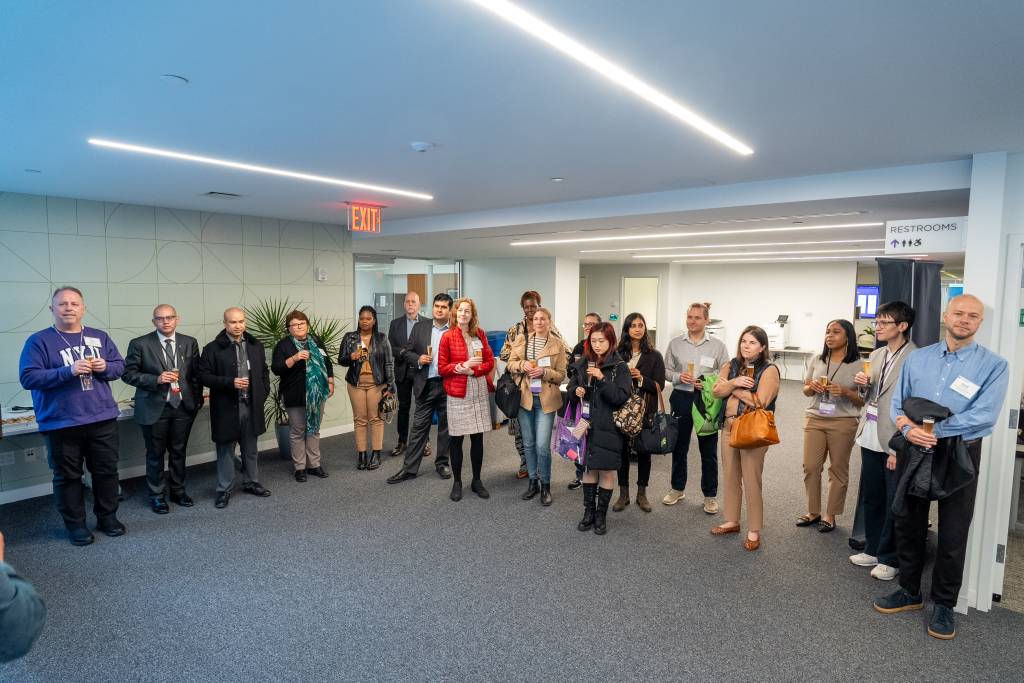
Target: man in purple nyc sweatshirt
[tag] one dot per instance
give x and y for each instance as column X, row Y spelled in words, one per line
column 68, row 368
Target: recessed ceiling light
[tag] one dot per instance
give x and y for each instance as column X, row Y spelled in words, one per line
column 558, row 180
column 613, row 72
column 745, row 231
column 32, row 170
column 269, row 170
column 856, row 242
column 175, row 78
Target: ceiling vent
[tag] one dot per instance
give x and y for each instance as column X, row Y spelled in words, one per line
column 221, row 195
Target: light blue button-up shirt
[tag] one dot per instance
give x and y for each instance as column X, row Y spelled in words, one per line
column 930, row 372
column 435, row 340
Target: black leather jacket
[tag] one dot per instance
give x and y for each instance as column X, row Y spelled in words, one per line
column 381, row 361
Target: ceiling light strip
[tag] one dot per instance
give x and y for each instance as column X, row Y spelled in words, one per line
column 748, row 231
column 858, row 257
column 726, row 246
column 584, row 55
column 268, row 170
column 756, row 253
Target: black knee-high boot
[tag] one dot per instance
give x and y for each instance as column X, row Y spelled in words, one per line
column 604, row 497
column 589, row 495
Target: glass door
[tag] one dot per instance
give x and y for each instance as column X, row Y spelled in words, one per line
column 382, row 282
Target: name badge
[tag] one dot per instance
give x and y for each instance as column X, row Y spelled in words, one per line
column 964, row 387
column 872, row 412
column 586, row 410
column 477, row 345
column 707, row 362
column 535, row 385
column 544, row 362
column 826, row 408
column 92, row 341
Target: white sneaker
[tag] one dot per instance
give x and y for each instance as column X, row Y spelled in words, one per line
column 711, row 506
column 884, row 572
column 864, row 560
column 673, row 497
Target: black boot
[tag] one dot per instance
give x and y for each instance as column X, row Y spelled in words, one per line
column 589, row 493
column 374, row 461
column 532, row 490
column 361, row 465
column 604, row 496
column 545, row 494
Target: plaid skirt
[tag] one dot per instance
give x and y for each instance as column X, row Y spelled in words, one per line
column 472, row 414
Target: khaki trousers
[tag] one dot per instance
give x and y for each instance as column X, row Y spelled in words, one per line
column 366, row 408
column 742, row 473
column 305, row 446
column 832, row 438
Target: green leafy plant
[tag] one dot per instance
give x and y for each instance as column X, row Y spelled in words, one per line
column 265, row 321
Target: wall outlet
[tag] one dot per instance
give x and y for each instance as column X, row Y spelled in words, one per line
column 6, row 459
column 30, row 455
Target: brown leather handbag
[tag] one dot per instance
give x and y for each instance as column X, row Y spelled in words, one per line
column 754, row 428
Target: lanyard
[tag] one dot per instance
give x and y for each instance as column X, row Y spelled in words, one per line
column 887, row 364
column 828, row 366
column 81, row 335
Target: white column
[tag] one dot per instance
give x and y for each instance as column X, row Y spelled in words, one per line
column 984, row 262
column 567, row 297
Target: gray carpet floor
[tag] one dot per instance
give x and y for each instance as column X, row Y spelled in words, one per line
column 351, row 579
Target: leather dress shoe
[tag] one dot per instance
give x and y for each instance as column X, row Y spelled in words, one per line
column 317, row 472
column 300, row 475
column 182, row 499
column 159, row 505
column 222, row 499
column 400, row 476
column 398, row 450
column 80, row 536
column 444, row 472
column 256, row 490
column 113, row 528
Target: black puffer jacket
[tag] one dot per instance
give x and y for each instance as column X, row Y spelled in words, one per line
column 604, row 441
column 381, row 361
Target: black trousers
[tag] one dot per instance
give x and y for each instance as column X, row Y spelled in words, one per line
column 682, row 407
column 643, row 465
column 404, row 409
column 169, row 434
column 70, row 450
column 877, row 487
column 955, row 513
column 432, row 399
column 476, row 454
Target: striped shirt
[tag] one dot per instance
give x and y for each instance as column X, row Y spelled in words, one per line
column 534, row 346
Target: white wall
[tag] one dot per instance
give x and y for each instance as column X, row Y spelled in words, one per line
column 604, row 294
column 497, row 284
column 566, row 303
column 810, row 294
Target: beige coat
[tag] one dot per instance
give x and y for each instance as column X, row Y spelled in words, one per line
column 550, row 395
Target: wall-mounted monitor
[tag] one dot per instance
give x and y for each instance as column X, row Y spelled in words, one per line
column 867, row 301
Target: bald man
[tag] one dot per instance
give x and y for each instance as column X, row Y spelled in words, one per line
column 970, row 381
column 161, row 367
column 234, row 367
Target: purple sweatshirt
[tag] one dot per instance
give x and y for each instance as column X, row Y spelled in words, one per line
column 57, row 395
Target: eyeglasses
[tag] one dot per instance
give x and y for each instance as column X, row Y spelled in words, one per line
column 884, row 323
column 297, row 323
column 164, row 318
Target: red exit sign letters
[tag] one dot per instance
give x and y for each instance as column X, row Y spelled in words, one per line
column 363, row 218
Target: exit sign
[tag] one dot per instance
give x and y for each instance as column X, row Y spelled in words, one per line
column 363, row 218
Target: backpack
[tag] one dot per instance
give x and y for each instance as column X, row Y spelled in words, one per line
column 707, row 409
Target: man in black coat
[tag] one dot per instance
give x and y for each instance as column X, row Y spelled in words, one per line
column 168, row 394
column 428, row 390
column 398, row 335
column 234, row 367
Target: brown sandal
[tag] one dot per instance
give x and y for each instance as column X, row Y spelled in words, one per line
column 722, row 530
column 752, row 545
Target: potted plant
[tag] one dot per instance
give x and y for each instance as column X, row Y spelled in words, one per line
column 265, row 321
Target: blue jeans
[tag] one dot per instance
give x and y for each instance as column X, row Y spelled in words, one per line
column 536, row 428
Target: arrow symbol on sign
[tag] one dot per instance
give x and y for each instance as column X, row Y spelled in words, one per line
column 895, row 243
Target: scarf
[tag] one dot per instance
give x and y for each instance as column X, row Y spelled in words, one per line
column 316, row 384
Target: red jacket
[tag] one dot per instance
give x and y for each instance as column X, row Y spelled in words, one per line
column 453, row 351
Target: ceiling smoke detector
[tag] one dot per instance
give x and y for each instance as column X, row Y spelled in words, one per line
column 422, row 147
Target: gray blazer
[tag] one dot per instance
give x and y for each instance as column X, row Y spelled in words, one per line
column 886, row 425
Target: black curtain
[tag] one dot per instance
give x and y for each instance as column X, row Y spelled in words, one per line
column 916, row 283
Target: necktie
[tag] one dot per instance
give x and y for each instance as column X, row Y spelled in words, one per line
column 174, row 397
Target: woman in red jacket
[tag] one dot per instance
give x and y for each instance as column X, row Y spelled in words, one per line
column 465, row 361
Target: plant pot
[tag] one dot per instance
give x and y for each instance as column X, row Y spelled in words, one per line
column 284, row 443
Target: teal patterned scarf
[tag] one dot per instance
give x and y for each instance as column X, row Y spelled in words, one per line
column 316, row 383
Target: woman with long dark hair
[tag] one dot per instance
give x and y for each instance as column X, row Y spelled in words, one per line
column 647, row 370
column 371, row 375
column 601, row 381
column 747, row 375
column 831, row 424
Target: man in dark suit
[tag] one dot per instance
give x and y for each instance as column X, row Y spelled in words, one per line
column 161, row 367
column 428, row 390
column 234, row 367
column 398, row 335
